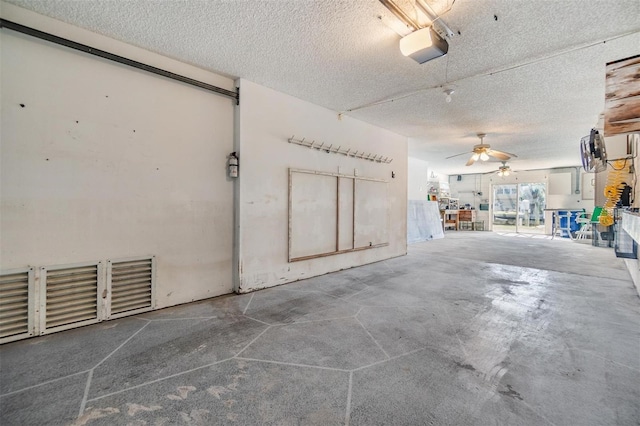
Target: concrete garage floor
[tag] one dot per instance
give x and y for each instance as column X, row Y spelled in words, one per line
column 473, row 329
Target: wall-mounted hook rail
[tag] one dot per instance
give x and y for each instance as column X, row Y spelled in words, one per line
column 339, row 150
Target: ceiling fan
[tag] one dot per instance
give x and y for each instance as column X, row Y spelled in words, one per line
column 483, row 151
column 504, row 170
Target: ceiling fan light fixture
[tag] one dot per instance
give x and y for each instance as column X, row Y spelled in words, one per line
column 475, row 156
column 484, row 156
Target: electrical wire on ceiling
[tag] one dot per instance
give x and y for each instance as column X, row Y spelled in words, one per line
column 491, row 72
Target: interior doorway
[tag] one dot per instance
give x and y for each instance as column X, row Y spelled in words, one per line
column 519, row 208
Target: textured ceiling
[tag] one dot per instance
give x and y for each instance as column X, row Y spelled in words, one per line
column 530, row 74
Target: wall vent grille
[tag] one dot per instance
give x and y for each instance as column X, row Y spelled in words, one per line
column 131, row 283
column 71, row 295
column 16, row 288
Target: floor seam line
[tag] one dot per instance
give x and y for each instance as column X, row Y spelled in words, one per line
column 181, row 319
column 252, row 341
column 390, row 359
column 319, row 320
column 357, row 292
column 347, row 417
column 327, row 308
column 291, row 364
column 87, row 386
column 257, row 320
column 120, row 346
column 171, row 376
column 248, row 303
column 372, row 338
column 44, row 383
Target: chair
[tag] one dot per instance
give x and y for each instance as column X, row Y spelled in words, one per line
column 588, row 225
column 585, row 229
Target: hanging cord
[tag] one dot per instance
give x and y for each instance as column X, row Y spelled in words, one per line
column 616, row 161
column 446, row 71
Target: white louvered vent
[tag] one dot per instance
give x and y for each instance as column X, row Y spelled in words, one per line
column 16, row 287
column 131, row 283
column 71, row 295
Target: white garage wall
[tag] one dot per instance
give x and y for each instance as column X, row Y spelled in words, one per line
column 266, row 120
column 104, row 161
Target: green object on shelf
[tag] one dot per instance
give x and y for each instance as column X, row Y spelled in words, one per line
column 595, row 216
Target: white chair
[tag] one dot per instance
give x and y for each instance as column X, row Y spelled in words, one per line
column 588, row 228
column 585, row 230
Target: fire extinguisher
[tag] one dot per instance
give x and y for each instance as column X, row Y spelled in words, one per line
column 233, row 165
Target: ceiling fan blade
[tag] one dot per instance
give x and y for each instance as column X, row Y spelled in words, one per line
column 500, row 154
column 470, row 162
column 457, row 155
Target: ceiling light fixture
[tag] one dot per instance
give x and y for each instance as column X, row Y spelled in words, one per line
column 484, row 156
column 423, row 45
column 435, row 19
column 448, row 92
column 399, row 13
column 504, row 170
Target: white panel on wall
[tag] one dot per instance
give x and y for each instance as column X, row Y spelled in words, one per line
column 101, row 161
column 314, row 206
column 560, row 184
column 345, row 214
column 371, row 213
column 588, row 186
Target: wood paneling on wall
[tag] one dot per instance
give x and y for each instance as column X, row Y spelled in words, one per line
column 622, row 102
